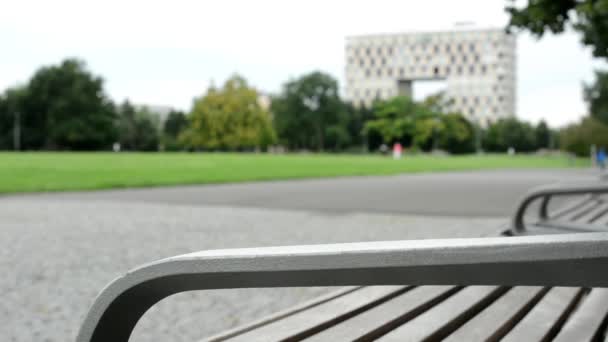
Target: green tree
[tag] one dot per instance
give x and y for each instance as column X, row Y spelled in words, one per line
column 65, row 107
column 11, row 106
column 229, row 118
column 356, row 119
column 174, row 125
column 176, row 122
column 588, row 17
column 543, row 135
column 402, row 120
column 578, row 138
column 310, row 115
column 137, row 128
column 507, row 133
column 458, row 134
column 596, row 95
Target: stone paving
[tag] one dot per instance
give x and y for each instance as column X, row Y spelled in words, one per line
column 57, row 255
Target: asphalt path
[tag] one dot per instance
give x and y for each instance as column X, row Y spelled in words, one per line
column 465, row 194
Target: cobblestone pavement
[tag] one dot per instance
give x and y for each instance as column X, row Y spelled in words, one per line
column 56, row 256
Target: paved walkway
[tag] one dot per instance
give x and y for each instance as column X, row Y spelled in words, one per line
column 480, row 193
column 56, row 256
column 59, row 250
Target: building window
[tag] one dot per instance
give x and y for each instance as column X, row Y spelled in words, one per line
column 390, row 51
column 459, row 70
column 383, row 60
column 379, row 73
column 464, row 58
column 447, row 47
column 436, row 71
column 367, row 73
column 484, row 69
column 472, row 47
column 372, row 62
column 452, row 59
column 389, row 72
column 447, row 70
column 368, row 51
column 476, row 58
column 472, row 70
column 401, row 72
column 436, row 49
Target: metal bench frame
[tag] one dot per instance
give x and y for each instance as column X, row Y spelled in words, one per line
column 551, row 260
column 545, row 194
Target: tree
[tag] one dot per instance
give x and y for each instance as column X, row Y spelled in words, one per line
column 356, row 119
column 309, row 113
column 230, row 118
column 11, row 105
column 543, row 135
column 137, row 128
column 402, row 120
column 596, row 95
column 588, row 17
column 65, row 107
column 578, row 138
column 175, row 124
column 507, row 133
column 458, row 135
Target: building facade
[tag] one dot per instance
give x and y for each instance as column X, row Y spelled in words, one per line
column 478, row 67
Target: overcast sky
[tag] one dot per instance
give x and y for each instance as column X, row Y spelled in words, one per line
column 167, row 52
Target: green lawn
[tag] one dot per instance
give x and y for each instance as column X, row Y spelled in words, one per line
column 26, row 172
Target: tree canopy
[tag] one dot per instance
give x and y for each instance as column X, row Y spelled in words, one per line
column 309, row 113
column 578, row 138
column 229, row 118
column 137, row 128
column 596, row 95
column 66, row 108
column 588, row 17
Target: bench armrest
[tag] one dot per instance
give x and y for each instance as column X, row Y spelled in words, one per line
column 564, row 260
column 546, row 193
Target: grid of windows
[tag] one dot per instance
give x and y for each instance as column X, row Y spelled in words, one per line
column 479, row 67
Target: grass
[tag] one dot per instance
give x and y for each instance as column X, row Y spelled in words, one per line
column 32, row 172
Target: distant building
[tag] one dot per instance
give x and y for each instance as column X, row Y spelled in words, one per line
column 478, row 66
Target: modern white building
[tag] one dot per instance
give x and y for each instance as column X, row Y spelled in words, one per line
column 477, row 66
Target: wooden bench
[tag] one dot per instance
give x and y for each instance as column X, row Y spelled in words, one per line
column 518, row 287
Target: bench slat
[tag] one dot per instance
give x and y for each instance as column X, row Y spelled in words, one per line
column 580, row 211
column 384, row 317
column 308, row 322
column 545, row 319
column 587, row 319
column 445, row 317
column 495, row 321
column 590, row 215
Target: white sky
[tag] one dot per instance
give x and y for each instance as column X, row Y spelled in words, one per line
column 166, row 52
